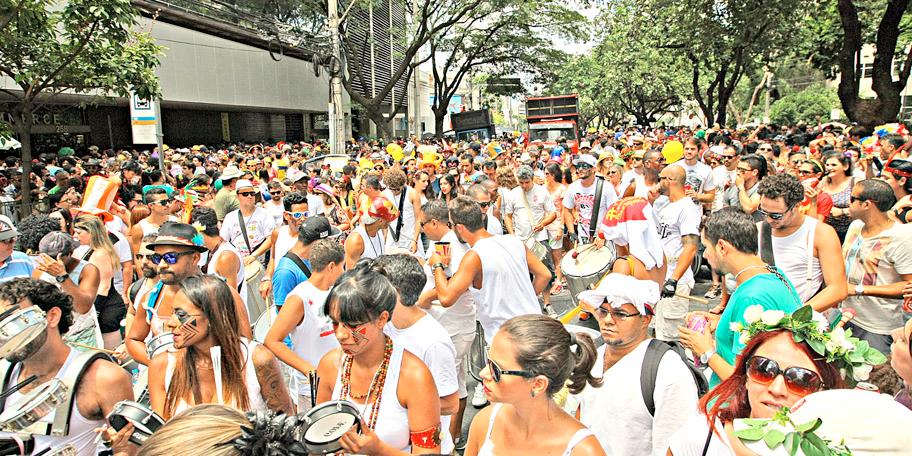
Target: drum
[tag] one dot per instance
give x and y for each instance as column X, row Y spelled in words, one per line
column 34, row 405
column 144, row 420
column 590, row 265
column 325, row 424
column 263, row 323
column 537, row 248
column 253, row 272
column 159, row 344
column 594, row 334
column 19, row 328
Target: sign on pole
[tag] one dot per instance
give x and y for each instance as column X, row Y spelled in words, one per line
column 143, row 120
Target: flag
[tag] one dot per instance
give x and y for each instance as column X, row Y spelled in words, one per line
column 631, row 222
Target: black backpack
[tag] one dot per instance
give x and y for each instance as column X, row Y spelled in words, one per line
column 650, row 369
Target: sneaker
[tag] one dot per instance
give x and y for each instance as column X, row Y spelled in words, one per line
column 478, row 399
column 461, row 443
column 550, row 311
column 557, row 289
column 713, row 292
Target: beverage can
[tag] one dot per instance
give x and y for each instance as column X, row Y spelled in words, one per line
column 907, row 304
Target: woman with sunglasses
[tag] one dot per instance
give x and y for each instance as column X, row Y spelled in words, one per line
column 613, row 174
column 773, row 371
column 211, row 362
column 527, row 365
column 838, row 183
column 392, row 388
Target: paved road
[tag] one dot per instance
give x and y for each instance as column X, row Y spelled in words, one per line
column 562, row 304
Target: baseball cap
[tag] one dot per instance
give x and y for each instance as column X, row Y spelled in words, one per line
column 315, row 228
column 585, row 145
column 586, row 159
column 57, row 243
column 7, row 229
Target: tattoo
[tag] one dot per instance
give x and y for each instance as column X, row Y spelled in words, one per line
column 690, row 239
column 272, row 385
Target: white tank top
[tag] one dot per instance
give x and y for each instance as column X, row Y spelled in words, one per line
column 314, row 337
column 250, row 380
column 80, row 435
column 210, row 269
column 373, row 246
column 147, row 227
column 794, row 255
column 392, row 418
column 407, row 235
column 506, row 290
column 284, row 242
column 487, row 448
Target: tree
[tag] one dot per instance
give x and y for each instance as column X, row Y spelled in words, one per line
column 80, row 46
column 504, row 37
column 811, row 106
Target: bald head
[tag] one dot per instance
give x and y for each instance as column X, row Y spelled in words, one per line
column 674, row 174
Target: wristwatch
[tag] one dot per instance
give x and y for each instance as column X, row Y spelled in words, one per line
column 61, row 278
column 438, row 265
column 859, row 290
column 704, row 358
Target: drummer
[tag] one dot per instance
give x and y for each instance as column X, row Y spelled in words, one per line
column 393, row 390
column 178, row 256
column 47, row 357
column 203, row 317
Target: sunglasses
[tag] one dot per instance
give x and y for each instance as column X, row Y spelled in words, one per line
column 484, row 204
column 163, row 203
column 275, row 193
column 497, row 372
column 582, row 166
column 298, row 215
column 798, row 380
column 856, row 199
column 744, row 170
column 728, row 157
column 170, row 257
column 246, row 194
column 773, row 215
column 612, row 172
column 616, row 315
column 806, row 172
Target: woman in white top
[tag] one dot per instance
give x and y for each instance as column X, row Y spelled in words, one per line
column 527, row 366
column 204, row 316
column 393, row 389
column 796, row 371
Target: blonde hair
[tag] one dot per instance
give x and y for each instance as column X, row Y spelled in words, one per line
column 204, row 430
column 98, row 237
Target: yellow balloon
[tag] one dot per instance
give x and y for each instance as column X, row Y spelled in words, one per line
column 395, row 151
column 673, row 151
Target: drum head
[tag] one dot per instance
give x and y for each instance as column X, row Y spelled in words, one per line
column 329, row 428
column 47, row 391
column 20, row 328
column 589, row 261
column 144, row 420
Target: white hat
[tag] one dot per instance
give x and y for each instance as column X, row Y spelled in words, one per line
column 585, row 145
column 376, row 156
column 231, row 172
column 294, row 174
column 587, row 159
column 525, row 157
column 243, row 183
column 619, row 289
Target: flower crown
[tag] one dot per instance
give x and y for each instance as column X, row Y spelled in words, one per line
column 781, row 430
column 853, row 356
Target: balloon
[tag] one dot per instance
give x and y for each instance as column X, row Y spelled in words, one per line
column 673, row 151
column 395, row 151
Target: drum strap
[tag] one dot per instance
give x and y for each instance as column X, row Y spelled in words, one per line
column 596, row 207
column 398, row 231
column 152, row 302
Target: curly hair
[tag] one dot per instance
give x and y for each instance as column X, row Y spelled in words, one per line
column 32, row 229
column 782, row 185
column 42, row 294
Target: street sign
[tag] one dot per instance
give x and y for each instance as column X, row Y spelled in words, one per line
column 143, row 120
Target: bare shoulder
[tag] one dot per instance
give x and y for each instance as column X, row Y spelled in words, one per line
column 589, row 446
column 103, row 373
column 329, row 364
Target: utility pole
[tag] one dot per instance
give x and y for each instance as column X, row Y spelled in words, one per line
column 766, row 103
column 336, row 114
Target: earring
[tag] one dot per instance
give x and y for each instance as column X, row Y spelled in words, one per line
column 533, row 393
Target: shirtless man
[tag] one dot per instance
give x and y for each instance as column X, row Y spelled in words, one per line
column 368, row 240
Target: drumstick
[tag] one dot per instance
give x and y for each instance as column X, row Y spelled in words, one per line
column 89, row 347
column 693, row 298
column 579, row 251
column 18, row 387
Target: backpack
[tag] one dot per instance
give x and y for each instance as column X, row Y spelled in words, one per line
column 650, row 369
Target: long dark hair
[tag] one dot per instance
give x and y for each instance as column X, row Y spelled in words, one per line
column 213, row 297
column 453, row 187
column 555, row 171
column 728, row 400
column 904, row 166
column 361, row 295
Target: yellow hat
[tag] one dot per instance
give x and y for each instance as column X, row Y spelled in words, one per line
column 673, row 151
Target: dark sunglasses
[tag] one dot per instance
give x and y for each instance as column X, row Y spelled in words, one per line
column 170, row 257
column 773, row 215
column 163, row 203
column 246, row 193
column 798, row 380
column 497, row 373
column 857, row 199
column 279, row 193
column 805, row 172
column 484, row 204
column 728, row 157
column 582, row 166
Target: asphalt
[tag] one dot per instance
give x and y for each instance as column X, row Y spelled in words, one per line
column 562, row 304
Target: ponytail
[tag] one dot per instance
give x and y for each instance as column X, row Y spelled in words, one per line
column 584, row 355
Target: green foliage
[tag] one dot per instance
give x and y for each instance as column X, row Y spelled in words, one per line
column 810, row 106
column 782, row 430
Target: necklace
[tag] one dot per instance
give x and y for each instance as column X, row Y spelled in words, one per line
column 375, row 390
column 745, row 269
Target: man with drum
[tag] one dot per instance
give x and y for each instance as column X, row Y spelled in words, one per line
column 580, row 200
column 177, row 256
column 92, row 385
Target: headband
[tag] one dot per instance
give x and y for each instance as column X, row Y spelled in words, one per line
column 895, row 171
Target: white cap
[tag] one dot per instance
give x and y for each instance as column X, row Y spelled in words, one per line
column 525, row 157
column 587, row 159
column 619, row 289
column 585, row 145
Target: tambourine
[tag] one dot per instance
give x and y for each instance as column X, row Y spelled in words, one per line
column 17, row 444
column 159, row 344
column 19, row 328
column 145, row 421
column 326, row 423
column 34, row 405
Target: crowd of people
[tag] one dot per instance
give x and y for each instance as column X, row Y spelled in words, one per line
column 234, row 290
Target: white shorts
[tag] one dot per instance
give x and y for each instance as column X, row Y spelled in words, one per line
column 462, row 342
column 670, row 313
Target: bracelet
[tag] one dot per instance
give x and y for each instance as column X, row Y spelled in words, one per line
column 264, row 279
column 428, row 439
column 438, row 265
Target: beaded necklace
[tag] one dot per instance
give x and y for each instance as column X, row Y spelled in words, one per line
column 375, row 389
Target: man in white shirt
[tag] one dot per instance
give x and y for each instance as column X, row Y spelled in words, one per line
column 699, row 183
column 617, row 412
column 422, row 335
column 579, row 201
column 257, row 221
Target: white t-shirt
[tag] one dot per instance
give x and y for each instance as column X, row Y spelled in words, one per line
column 699, row 176
column 723, row 178
column 460, row 317
column 616, row 413
column 691, row 439
column 583, row 199
column 277, row 211
column 429, row 341
column 676, row 219
column 539, row 203
column 494, row 226
column 314, row 204
column 259, row 226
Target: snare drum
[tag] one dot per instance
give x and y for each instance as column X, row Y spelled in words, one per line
column 34, row 405
column 144, row 420
column 20, row 328
column 589, row 266
column 159, row 344
column 325, row 424
column 263, row 323
column 594, row 334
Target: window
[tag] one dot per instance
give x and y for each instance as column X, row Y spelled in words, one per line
column 867, row 69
